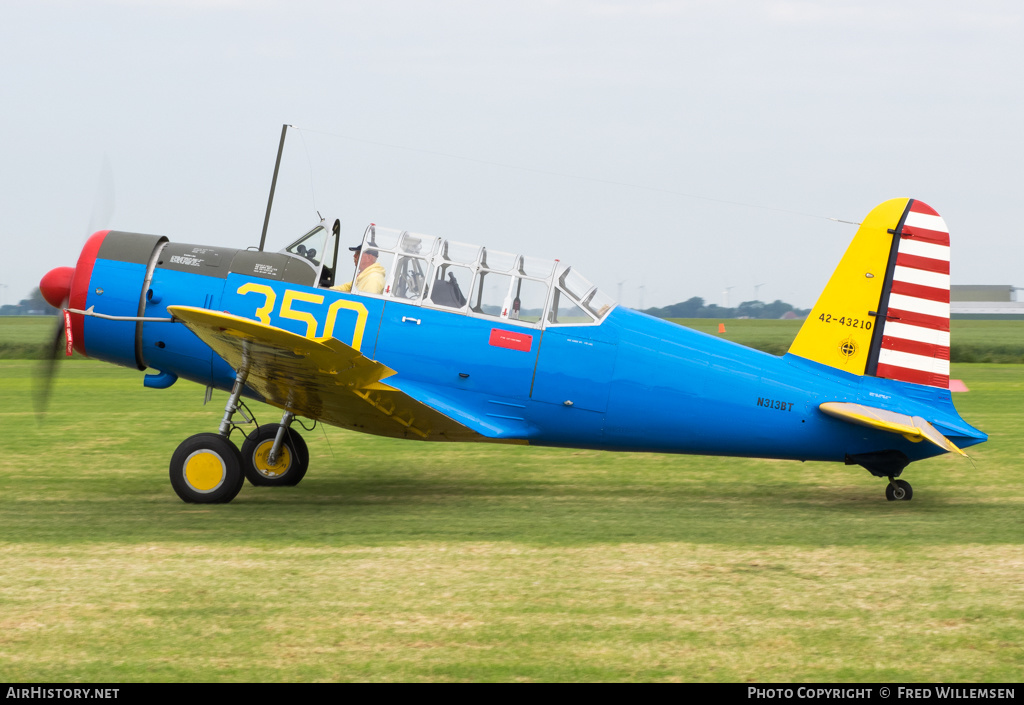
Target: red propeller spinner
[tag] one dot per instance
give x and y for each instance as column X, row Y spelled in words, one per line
column 56, row 286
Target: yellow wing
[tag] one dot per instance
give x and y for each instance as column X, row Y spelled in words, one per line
column 327, row 380
column 914, row 428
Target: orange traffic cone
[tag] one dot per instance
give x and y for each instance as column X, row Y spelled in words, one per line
column 721, row 327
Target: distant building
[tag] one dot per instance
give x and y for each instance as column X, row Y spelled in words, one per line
column 985, row 301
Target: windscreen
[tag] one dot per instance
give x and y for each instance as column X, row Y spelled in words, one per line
column 312, row 246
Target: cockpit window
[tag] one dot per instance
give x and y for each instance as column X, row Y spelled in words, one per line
column 580, row 288
column 460, row 253
column 529, row 296
column 430, row 271
column 575, row 283
column 416, row 244
column 405, row 258
column 504, row 287
column 313, row 246
column 490, row 293
column 378, row 238
column 536, row 267
column 496, row 261
column 449, row 285
column 599, row 303
column 564, row 311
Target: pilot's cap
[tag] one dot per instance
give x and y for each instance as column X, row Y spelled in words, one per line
column 371, row 252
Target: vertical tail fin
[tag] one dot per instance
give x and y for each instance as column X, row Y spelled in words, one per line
column 885, row 311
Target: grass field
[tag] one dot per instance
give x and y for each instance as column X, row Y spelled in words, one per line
column 406, row 561
column 972, row 341
column 21, row 337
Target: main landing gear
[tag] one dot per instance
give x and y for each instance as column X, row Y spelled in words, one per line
column 275, row 455
column 209, row 469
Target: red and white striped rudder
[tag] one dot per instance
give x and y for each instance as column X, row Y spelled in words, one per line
column 915, row 333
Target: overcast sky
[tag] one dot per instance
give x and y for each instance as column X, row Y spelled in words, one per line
column 683, row 147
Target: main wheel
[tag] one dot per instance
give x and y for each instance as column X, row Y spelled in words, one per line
column 206, row 469
column 899, row 490
column 290, row 466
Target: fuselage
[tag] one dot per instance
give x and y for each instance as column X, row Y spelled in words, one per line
column 630, row 382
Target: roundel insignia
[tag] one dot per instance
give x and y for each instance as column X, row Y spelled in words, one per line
column 848, row 348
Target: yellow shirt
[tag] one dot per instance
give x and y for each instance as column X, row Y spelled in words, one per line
column 370, row 280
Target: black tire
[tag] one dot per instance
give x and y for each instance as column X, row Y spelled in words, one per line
column 902, row 491
column 291, row 466
column 206, row 469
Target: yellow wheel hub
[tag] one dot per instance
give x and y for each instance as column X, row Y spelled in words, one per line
column 204, row 471
column 260, row 459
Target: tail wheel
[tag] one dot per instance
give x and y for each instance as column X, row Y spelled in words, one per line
column 898, row 490
column 290, row 465
column 207, row 469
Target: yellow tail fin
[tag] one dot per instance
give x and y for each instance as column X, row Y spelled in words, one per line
column 885, row 311
column 839, row 329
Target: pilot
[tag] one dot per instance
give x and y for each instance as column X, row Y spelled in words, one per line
column 370, row 275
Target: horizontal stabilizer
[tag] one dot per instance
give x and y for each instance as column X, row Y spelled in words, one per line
column 914, row 428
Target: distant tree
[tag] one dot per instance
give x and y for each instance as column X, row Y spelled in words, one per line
column 690, row 308
column 695, row 308
column 716, row 311
column 750, row 309
column 776, row 309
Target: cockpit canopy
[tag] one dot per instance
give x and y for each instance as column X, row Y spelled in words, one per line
column 430, row 271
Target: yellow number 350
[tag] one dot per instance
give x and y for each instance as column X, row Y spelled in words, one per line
column 312, row 321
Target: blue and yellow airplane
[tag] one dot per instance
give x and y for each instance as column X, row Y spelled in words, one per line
column 454, row 342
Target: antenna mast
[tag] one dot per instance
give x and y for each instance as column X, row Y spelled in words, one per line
column 273, row 185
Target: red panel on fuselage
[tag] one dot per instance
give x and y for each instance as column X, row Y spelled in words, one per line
column 510, row 339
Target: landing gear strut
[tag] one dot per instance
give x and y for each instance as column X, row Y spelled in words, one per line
column 898, row 490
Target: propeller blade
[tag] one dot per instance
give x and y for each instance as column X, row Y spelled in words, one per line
column 53, row 348
column 47, row 370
